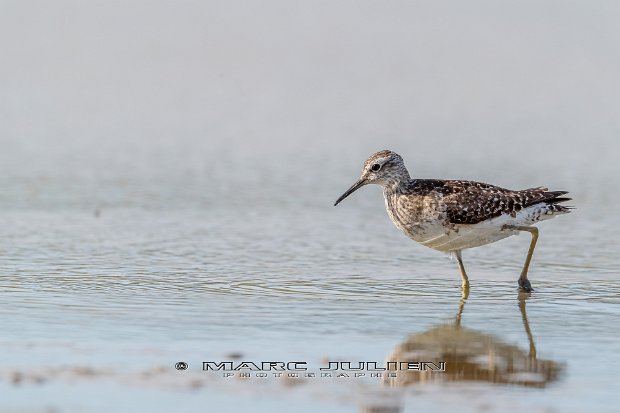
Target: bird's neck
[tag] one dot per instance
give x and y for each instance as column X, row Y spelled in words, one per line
column 396, row 183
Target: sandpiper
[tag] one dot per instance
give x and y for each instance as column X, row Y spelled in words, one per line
column 450, row 216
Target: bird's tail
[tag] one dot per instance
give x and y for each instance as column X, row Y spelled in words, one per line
column 553, row 200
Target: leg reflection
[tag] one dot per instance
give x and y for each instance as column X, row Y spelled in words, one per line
column 522, row 298
column 471, row 355
column 464, row 295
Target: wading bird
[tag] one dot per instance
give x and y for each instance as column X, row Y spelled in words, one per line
column 450, row 216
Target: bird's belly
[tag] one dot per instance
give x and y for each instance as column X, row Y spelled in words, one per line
column 453, row 237
column 464, row 237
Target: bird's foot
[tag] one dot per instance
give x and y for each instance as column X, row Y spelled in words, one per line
column 524, row 284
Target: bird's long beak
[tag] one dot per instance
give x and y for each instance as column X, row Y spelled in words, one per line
column 349, row 191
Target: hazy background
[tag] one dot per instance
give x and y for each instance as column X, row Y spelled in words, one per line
column 104, row 88
column 168, row 170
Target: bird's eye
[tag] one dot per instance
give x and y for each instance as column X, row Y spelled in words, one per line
column 375, row 167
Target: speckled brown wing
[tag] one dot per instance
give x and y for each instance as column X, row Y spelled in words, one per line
column 469, row 202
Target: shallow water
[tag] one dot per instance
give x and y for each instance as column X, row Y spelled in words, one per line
column 154, row 211
column 112, row 294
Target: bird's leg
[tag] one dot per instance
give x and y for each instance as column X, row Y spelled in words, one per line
column 524, row 283
column 464, row 279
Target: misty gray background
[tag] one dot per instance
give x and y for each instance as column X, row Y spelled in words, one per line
column 108, row 93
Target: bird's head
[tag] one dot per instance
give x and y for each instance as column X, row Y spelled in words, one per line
column 382, row 168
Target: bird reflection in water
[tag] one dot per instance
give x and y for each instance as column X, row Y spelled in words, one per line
column 472, row 355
